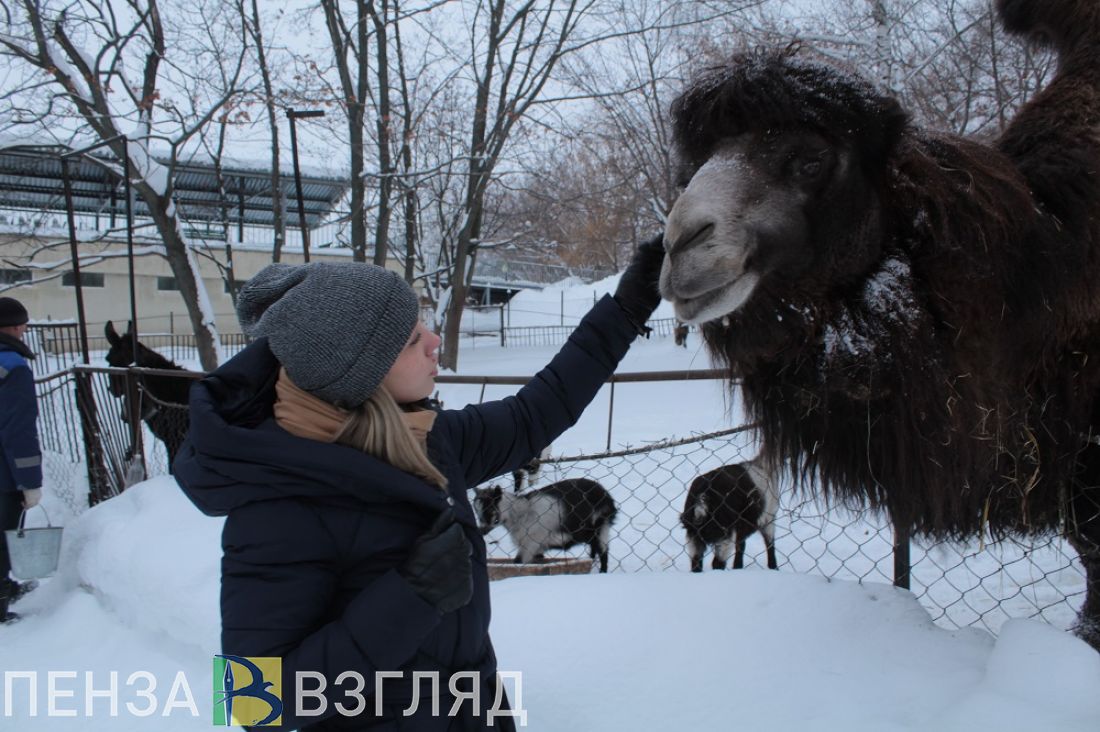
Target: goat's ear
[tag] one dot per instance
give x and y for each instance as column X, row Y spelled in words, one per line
column 112, row 335
column 129, row 327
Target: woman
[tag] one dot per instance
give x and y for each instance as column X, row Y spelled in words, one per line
column 350, row 547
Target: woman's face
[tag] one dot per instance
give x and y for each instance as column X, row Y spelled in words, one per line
column 412, row 376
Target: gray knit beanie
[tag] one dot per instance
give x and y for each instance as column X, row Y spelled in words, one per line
column 336, row 328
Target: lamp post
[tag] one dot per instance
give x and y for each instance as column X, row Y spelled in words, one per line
column 294, row 114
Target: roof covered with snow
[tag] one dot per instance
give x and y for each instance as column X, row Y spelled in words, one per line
column 31, row 177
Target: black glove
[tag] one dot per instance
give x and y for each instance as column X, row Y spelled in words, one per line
column 637, row 292
column 438, row 567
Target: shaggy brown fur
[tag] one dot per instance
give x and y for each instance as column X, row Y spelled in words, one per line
column 938, row 356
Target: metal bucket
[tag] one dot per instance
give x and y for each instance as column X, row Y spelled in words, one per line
column 33, row 552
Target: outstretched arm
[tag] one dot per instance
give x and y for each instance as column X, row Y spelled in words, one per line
column 497, row 437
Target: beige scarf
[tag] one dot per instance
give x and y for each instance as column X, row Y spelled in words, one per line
column 304, row 415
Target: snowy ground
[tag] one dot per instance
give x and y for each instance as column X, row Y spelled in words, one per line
column 649, row 646
column 137, row 592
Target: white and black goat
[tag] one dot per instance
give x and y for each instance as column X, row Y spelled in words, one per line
column 559, row 516
column 725, row 507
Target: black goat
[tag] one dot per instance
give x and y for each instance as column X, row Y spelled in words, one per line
column 725, row 507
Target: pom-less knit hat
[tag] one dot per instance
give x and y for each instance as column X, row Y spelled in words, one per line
column 336, row 328
column 12, row 312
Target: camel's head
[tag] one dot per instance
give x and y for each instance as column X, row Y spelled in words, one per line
column 782, row 160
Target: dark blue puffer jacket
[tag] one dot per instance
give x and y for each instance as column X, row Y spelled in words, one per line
column 315, row 531
column 20, row 456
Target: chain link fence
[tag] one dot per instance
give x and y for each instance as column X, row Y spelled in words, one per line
column 978, row 584
column 64, row 470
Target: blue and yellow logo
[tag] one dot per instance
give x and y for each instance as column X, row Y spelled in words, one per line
column 248, row 691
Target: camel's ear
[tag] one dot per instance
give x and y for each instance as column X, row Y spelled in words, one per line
column 892, row 120
column 109, row 331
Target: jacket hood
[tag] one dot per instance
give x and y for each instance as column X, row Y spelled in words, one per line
column 236, row 454
column 11, row 343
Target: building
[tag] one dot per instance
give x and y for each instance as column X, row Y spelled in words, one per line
column 225, row 213
column 38, row 270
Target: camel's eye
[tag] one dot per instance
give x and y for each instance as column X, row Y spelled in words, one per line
column 809, row 166
column 683, row 176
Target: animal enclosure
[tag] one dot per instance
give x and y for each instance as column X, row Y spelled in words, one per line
column 975, row 584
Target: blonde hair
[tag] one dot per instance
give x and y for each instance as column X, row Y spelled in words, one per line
column 377, row 428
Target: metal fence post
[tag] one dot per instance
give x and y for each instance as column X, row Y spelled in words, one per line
column 133, row 413
column 902, row 566
column 610, row 413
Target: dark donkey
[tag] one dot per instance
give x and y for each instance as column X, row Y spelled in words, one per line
column 158, row 395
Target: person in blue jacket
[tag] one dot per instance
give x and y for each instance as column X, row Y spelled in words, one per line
column 350, row 549
column 20, row 457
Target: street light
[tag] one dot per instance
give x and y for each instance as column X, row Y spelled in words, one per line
column 293, row 114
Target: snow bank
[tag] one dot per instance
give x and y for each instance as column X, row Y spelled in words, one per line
column 769, row 650
column 149, row 558
column 627, row 651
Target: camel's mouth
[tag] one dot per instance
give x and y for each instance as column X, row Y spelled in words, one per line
column 716, row 302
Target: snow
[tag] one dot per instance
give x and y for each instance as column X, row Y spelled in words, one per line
column 648, row 646
column 564, row 303
column 146, row 167
column 138, row 591
column 205, row 306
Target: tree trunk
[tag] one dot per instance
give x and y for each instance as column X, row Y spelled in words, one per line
column 358, row 185
column 191, row 288
column 410, row 234
column 475, row 195
column 384, row 125
column 452, row 323
column 355, row 92
column 273, row 124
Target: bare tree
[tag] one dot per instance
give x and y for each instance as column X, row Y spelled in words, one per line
column 351, row 60
column 580, row 208
column 380, row 109
column 974, row 76
column 107, row 65
column 515, row 48
column 253, row 23
column 946, row 60
column 381, row 18
column 411, row 202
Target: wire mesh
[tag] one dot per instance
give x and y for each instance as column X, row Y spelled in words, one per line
column 981, row 584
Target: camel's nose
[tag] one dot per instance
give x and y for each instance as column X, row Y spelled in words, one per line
column 692, row 220
column 688, row 238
